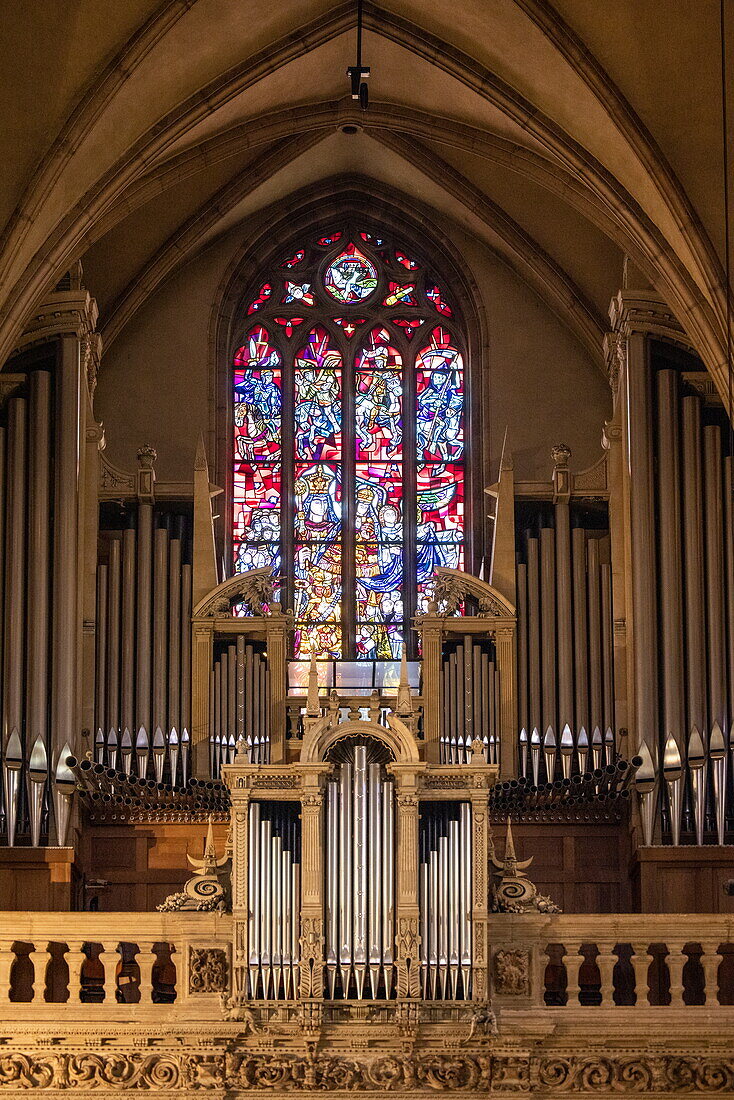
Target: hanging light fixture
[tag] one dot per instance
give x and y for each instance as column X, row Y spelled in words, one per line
column 358, row 74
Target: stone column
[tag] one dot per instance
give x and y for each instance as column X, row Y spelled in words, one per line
column 311, row 982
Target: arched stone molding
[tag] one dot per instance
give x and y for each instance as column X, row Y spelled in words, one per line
column 318, row 740
column 492, row 604
column 219, row 601
column 689, row 277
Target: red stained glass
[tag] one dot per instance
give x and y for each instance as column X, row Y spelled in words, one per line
column 317, row 398
column 409, row 324
column 378, row 507
column 256, row 499
column 331, row 238
column 349, row 324
column 288, row 323
column 405, row 260
column 401, row 295
column 257, row 399
column 295, row 259
column 440, row 499
column 435, row 297
column 262, row 296
column 350, row 277
column 371, row 239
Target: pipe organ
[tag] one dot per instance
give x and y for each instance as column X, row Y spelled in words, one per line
column 565, row 675
column 471, row 700
column 239, row 693
column 360, row 861
column 143, row 660
column 274, row 899
column 445, row 868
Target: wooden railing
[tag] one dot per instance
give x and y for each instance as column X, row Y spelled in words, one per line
column 631, row 961
column 53, row 961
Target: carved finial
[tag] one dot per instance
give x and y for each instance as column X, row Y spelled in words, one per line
column 313, row 707
column 147, row 456
column 560, row 454
column 404, row 702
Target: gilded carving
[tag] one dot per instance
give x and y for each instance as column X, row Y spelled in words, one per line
column 208, row 970
column 312, row 964
column 512, row 972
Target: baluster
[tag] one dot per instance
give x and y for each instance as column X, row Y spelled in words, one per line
column 641, row 965
column 39, row 972
column 75, row 961
column 710, row 961
column 676, row 961
column 573, row 960
column 606, row 960
column 109, row 960
column 146, row 959
column 7, row 958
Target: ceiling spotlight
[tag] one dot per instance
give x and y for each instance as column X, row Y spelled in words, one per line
column 358, row 74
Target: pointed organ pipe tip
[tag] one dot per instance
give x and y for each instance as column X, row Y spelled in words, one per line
column 696, row 751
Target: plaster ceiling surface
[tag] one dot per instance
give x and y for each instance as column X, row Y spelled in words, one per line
column 589, row 129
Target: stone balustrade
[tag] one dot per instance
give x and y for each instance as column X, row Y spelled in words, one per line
column 51, row 962
column 622, row 961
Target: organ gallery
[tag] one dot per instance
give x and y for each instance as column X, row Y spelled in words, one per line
column 367, row 549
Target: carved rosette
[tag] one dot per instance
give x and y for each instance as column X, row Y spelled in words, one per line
column 512, row 972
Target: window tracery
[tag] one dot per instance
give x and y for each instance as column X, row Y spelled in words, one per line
column 349, row 414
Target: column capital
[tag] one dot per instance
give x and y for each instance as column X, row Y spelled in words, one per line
column 644, row 311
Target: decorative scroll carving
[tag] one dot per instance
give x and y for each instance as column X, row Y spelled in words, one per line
column 208, row 970
column 512, row 973
column 164, row 1072
column 481, row 1022
column 406, row 957
column 452, row 586
column 255, row 589
column 312, row 957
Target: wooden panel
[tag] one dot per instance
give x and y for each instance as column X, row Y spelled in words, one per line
column 683, row 880
column 36, row 878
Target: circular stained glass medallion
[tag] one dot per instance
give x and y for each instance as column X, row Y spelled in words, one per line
column 350, row 277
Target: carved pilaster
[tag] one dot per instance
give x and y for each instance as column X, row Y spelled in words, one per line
column 480, row 894
column 407, row 938
column 311, row 983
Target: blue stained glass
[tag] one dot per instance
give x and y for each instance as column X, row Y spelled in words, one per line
column 351, row 277
column 379, row 568
column 440, row 399
column 253, row 555
column 317, row 384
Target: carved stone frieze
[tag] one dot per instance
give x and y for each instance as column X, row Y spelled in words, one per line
column 180, row 1072
column 208, row 970
column 512, row 972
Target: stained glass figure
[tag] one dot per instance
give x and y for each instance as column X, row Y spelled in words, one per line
column 365, row 525
column 261, row 298
column 351, row 277
column 436, row 298
column 405, row 260
column 440, row 399
column 288, row 323
column 409, row 324
column 295, row 259
column 317, row 390
column 298, row 292
column 401, row 295
column 349, row 324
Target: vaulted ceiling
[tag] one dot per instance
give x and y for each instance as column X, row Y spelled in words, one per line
column 565, row 135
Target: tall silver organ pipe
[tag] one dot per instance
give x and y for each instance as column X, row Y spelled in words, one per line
column 544, row 683
column 144, row 591
column 471, row 700
column 274, row 892
column 360, row 871
column 444, row 882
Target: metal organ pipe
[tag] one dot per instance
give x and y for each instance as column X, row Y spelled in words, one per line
column 596, row 718
column 565, row 628
column 580, row 629
column 186, row 647
column 143, row 623
column 113, row 640
column 38, row 559
column 127, row 684
column 15, row 559
column 669, row 556
column 100, row 695
column 535, row 701
column 522, row 646
column 160, row 624
column 692, row 532
column 174, row 636
column 548, row 627
column 714, row 539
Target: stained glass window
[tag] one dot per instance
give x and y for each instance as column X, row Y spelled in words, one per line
column 349, row 419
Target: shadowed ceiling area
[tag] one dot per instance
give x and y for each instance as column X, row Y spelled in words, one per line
column 564, row 136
